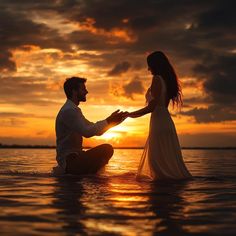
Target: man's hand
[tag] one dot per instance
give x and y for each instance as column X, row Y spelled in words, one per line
column 116, row 117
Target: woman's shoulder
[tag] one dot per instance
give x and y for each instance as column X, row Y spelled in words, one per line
column 155, row 87
column 156, row 82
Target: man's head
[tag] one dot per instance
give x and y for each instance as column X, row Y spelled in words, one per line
column 75, row 89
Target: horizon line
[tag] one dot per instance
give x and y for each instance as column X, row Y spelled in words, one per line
column 28, row 146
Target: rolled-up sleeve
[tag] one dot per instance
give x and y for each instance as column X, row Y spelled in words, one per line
column 76, row 121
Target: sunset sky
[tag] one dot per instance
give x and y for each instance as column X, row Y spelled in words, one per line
column 44, row 42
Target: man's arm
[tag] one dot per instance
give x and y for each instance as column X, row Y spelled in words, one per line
column 77, row 122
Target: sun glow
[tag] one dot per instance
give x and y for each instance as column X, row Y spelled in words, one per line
column 110, row 135
column 114, row 134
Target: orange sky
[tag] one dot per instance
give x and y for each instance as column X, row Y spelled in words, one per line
column 54, row 46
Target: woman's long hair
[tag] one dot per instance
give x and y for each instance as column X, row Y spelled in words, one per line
column 160, row 65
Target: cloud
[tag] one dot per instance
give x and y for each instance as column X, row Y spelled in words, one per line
column 214, row 113
column 218, row 72
column 219, row 82
column 128, row 90
column 133, row 87
column 203, row 139
column 18, row 30
column 12, row 122
column 18, row 119
column 27, row 90
column 22, row 115
column 119, row 68
column 220, row 15
column 6, row 63
column 198, row 36
column 143, row 23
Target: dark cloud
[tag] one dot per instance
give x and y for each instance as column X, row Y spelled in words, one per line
column 198, row 36
column 215, row 139
column 133, row 87
column 119, row 68
column 27, row 90
column 17, row 30
column 218, row 72
column 138, row 13
column 6, row 63
column 143, row 23
column 211, row 114
column 221, row 15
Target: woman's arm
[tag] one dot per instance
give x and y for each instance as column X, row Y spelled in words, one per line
column 141, row 112
column 155, row 92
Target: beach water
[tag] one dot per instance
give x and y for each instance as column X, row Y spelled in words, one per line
column 33, row 202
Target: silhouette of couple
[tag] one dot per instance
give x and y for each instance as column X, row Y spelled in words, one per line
column 161, row 159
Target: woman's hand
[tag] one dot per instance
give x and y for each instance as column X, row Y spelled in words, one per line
column 117, row 117
column 132, row 115
column 125, row 115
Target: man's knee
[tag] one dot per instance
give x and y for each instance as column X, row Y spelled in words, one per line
column 109, row 150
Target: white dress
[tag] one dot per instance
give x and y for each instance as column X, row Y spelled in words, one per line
column 162, row 158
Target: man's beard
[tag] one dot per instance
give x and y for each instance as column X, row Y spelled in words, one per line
column 81, row 98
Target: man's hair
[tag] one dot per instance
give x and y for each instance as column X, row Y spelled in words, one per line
column 72, row 84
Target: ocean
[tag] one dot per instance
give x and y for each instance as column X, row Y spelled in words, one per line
column 33, row 202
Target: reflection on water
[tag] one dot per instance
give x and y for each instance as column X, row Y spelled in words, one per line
column 113, row 203
column 169, row 206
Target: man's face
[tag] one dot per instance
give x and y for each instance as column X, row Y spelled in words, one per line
column 81, row 93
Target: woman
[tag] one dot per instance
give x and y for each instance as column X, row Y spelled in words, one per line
column 162, row 158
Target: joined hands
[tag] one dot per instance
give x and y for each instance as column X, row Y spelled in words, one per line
column 117, row 117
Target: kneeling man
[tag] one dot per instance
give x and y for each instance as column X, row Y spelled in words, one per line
column 72, row 126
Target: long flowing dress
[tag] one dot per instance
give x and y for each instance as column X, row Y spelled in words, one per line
column 162, row 157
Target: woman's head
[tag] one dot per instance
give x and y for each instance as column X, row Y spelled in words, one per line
column 159, row 64
column 156, row 62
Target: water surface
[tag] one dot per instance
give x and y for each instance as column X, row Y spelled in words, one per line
column 33, row 202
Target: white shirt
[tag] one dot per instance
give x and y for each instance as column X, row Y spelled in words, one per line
column 71, row 126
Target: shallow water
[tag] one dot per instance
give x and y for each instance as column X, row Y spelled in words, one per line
column 32, row 202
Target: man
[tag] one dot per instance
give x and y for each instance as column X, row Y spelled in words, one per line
column 72, row 126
